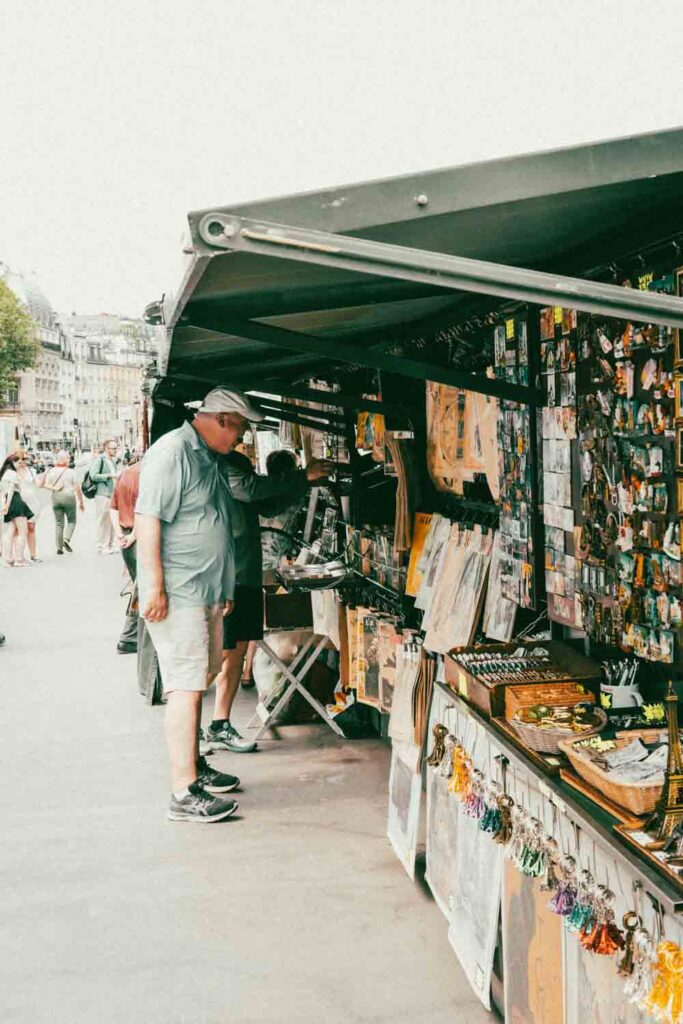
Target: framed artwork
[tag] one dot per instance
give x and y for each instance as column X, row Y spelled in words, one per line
column 679, row 495
column 678, row 332
column 678, row 393
column 679, row 448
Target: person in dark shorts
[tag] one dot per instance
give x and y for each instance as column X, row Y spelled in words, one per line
column 254, row 495
column 13, row 508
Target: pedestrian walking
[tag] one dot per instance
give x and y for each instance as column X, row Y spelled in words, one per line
column 186, row 575
column 29, row 483
column 103, row 474
column 63, row 484
column 122, row 512
column 16, row 512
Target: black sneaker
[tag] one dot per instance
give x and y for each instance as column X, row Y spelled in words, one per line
column 67, row 547
column 126, row 648
column 213, row 781
column 200, row 806
column 226, row 737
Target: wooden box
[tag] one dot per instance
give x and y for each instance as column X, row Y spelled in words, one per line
column 489, row 696
column 553, row 694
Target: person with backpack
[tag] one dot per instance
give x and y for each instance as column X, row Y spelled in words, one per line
column 103, row 475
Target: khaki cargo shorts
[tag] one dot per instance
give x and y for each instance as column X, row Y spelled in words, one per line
column 189, row 644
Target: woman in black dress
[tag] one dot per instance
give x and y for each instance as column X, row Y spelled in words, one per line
column 16, row 512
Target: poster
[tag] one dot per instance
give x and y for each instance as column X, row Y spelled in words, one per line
column 442, row 821
column 405, row 795
column 475, row 903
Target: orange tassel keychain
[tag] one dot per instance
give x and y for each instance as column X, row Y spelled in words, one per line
column 601, row 934
column 462, row 768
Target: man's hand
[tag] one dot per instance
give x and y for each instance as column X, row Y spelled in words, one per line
column 157, row 606
column 228, row 607
column 126, row 540
column 318, row 469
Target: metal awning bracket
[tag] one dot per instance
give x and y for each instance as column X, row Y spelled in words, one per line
column 361, row 255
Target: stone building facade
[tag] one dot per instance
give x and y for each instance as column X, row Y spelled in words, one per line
column 86, row 385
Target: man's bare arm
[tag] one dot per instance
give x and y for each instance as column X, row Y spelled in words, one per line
column 148, row 533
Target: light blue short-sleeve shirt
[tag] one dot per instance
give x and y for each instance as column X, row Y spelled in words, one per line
column 180, row 484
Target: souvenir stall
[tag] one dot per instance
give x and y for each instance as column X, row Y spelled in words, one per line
column 501, row 538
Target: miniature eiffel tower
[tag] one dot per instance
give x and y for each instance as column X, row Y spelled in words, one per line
column 668, row 812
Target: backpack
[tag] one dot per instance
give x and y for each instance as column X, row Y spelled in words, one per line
column 89, row 487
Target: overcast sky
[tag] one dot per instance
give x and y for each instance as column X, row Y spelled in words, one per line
column 118, row 118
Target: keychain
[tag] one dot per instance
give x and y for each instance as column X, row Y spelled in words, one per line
column 632, row 924
column 440, row 732
column 600, row 934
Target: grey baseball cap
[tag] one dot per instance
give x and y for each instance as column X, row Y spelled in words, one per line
column 222, row 400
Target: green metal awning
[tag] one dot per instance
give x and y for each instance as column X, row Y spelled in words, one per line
column 272, row 294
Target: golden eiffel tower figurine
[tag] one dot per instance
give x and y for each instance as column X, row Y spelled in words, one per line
column 668, row 812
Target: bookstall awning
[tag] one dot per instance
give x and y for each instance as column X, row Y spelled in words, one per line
column 278, row 290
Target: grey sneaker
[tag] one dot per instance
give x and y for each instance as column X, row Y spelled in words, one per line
column 200, row 806
column 205, row 746
column 226, row 737
column 213, row 781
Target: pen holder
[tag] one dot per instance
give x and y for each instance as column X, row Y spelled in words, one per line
column 613, row 697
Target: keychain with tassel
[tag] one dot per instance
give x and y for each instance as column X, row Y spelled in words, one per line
column 491, row 819
column 602, row 935
column 474, row 801
column 505, row 807
column 533, row 859
column 640, row 982
column 665, row 999
column 446, row 766
column 515, row 847
column 440, row 732
column 564, row 900
column 461, row 772
column 550, row 881
column 582, row 911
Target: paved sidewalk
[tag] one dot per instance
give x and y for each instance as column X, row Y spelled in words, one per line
column 294, row 913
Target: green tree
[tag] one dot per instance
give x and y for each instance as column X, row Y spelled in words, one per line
column 19, row 344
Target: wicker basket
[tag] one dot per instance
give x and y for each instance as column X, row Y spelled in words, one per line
column 637, row 797
column 547, row 741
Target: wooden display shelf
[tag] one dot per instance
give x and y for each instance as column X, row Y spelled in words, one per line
column 653, row 857
column 623, row 816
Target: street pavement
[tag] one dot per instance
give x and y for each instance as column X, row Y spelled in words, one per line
column 296, row 911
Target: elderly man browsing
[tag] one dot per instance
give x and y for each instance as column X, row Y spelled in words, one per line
column 186, row 573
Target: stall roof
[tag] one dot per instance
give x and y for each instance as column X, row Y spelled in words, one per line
column 563, row 211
